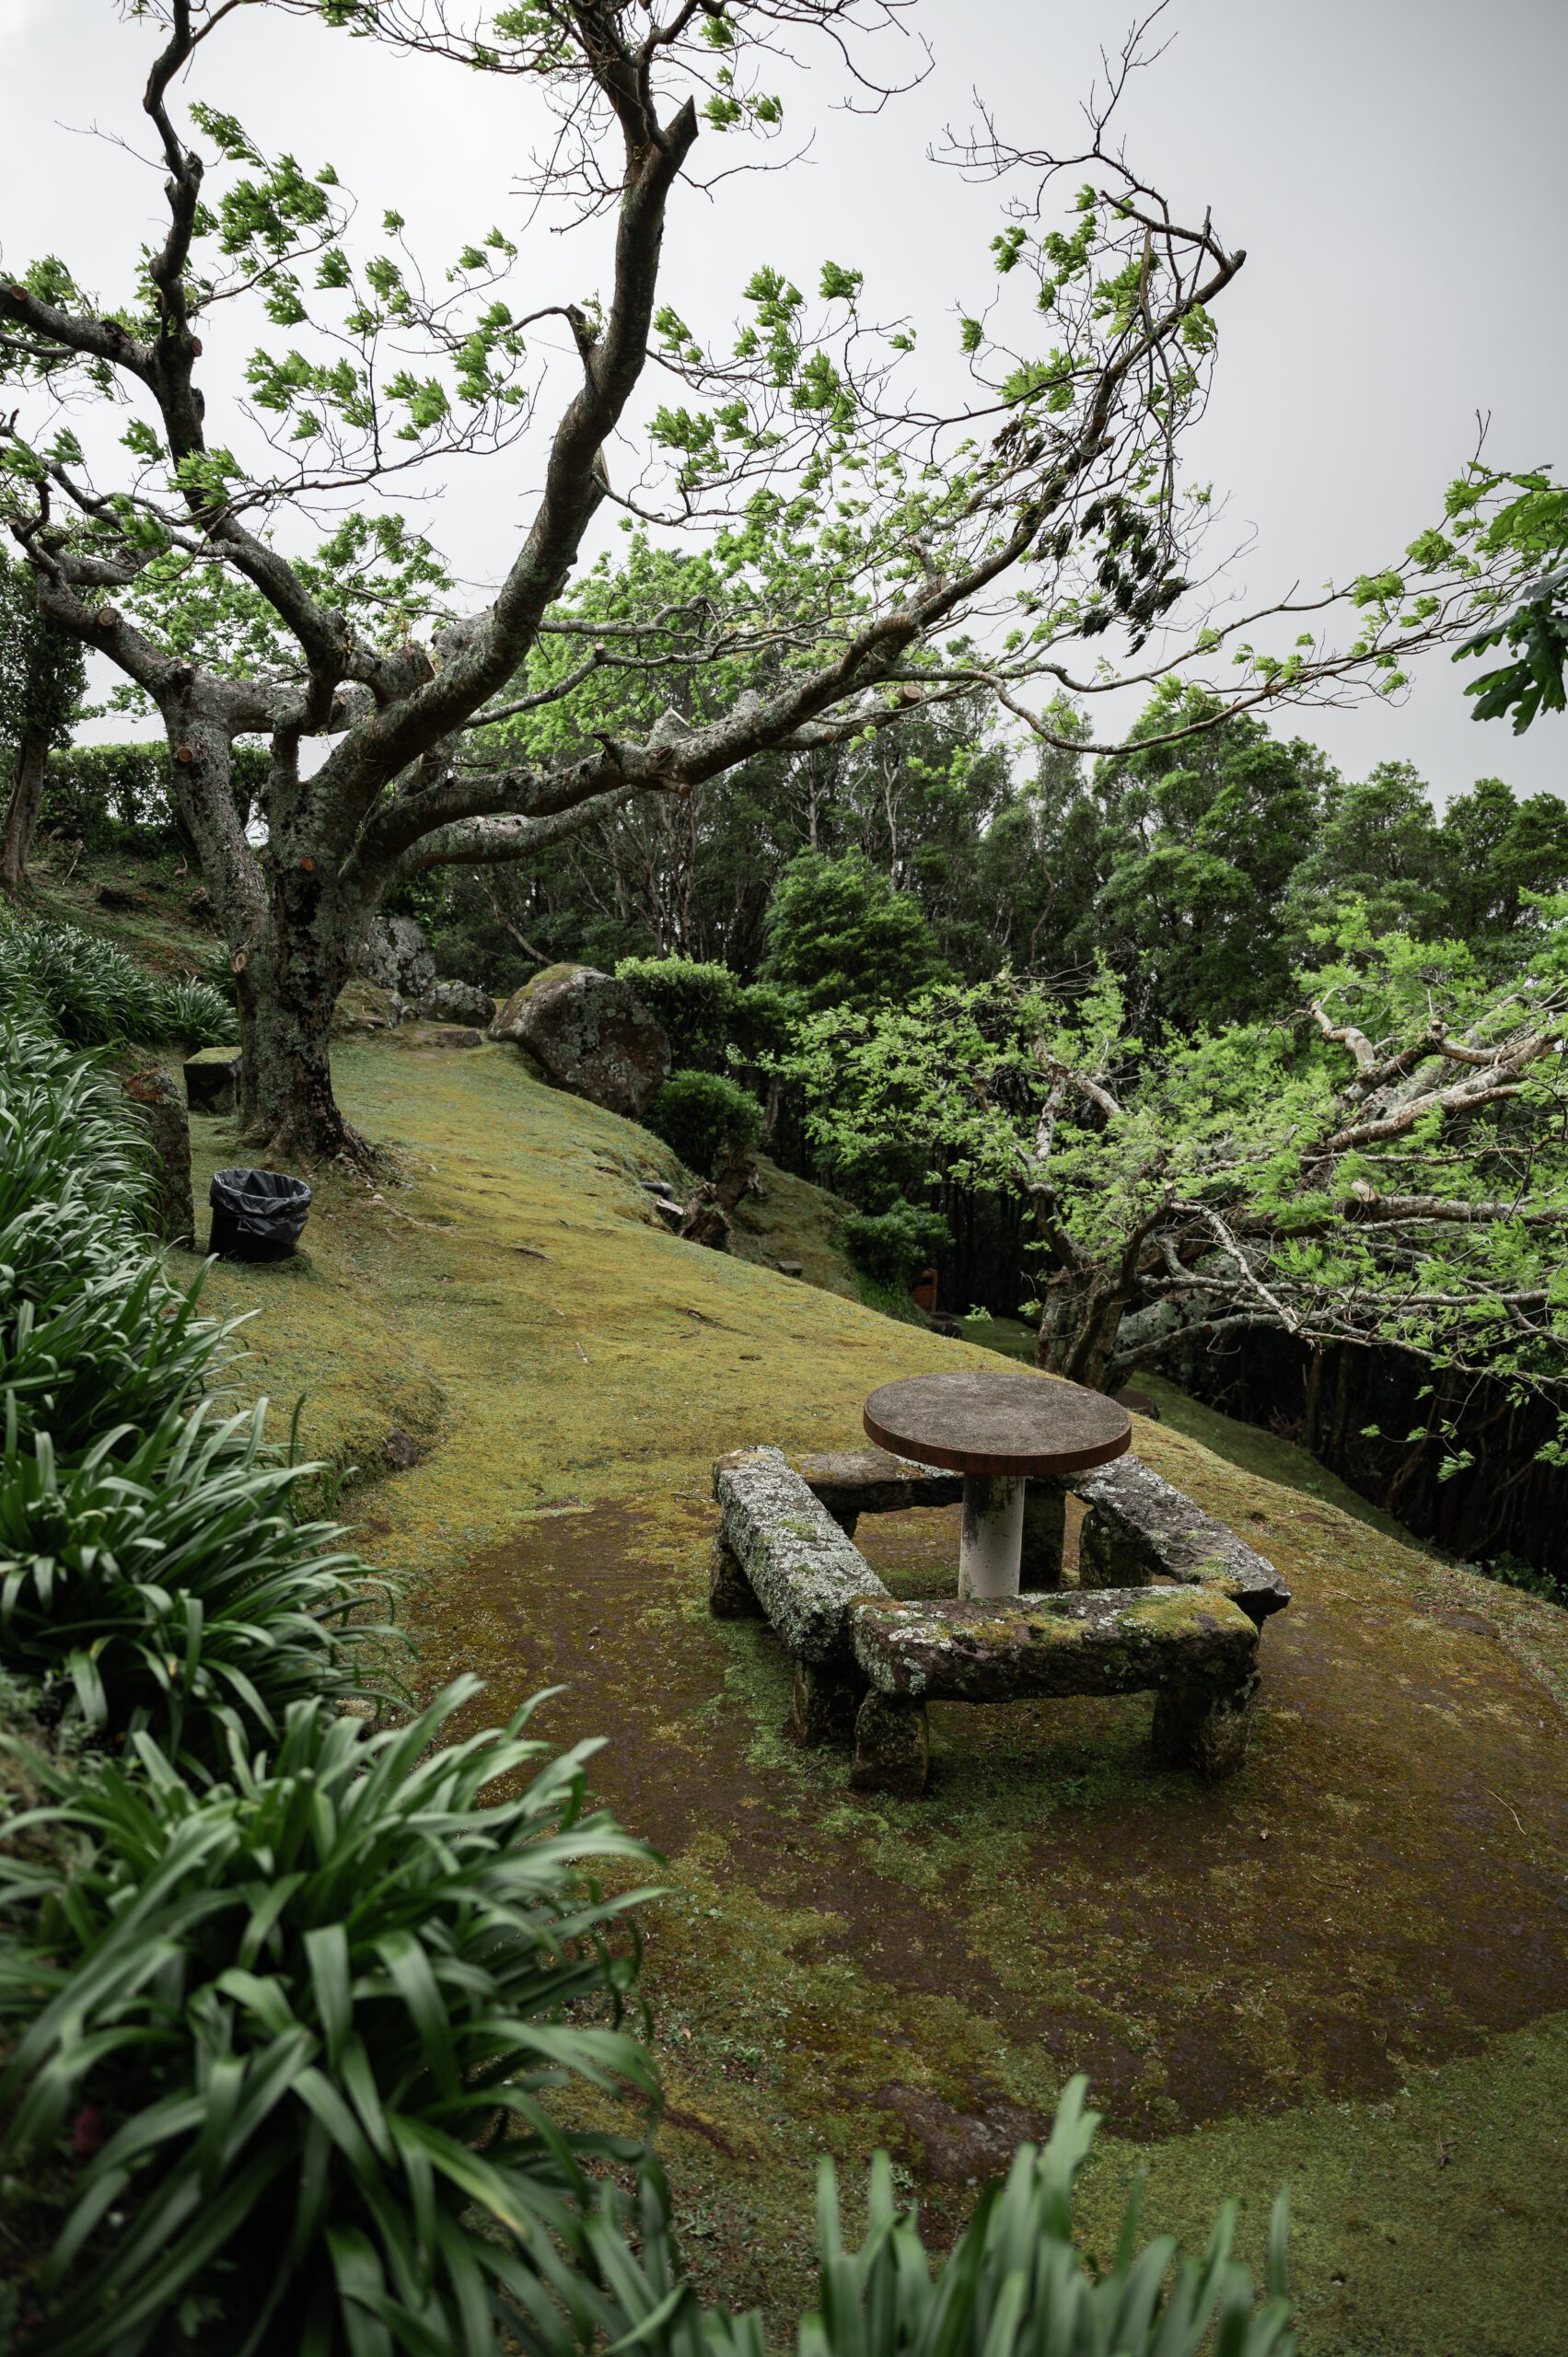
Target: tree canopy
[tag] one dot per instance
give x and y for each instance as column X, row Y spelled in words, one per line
column 879, row 554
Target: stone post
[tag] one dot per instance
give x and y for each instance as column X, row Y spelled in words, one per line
column 212, row 1084
column 730, row 1594
column 892, row 1747
column 158, row 1101
column 1107, row 1557
column 823, row 1703
column 1196, row 1728
column 1045, row 1530
column 993, row 1535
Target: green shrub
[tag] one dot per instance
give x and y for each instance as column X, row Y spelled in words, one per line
column 120, row 796
column 171, row 1589
column 712, row 1020
column 892, row 1246
column 1012, row 2284
column 93, row 994
column 315, row 2019
column 67, row 1141
column 701, row 1116
column 764, row 1022
column 93, row 1337
column 95, row 1341
column 697, row 1006
column 839, row 934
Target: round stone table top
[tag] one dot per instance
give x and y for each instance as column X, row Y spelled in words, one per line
column 976, row 1422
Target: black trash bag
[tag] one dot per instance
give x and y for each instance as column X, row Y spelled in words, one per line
column 257, row 1215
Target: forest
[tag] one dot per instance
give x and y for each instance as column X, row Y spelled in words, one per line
column 820, row 893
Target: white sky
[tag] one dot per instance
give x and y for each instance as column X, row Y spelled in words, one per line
column 1392, row 167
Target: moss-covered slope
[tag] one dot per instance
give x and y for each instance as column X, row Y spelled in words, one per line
column 1344, row 1971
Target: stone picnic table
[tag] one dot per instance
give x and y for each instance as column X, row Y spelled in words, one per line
column 1000, row 1431
column 1166, row 1600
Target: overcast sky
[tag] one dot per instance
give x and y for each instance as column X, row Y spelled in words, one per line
column 1393, row 168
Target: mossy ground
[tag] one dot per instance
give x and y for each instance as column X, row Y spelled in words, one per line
column 1344, row 1971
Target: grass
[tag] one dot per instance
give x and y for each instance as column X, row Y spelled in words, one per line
column 1344, row 1971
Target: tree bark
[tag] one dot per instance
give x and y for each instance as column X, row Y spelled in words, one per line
column 20, row 822
column 290, row 928
column 289, row 991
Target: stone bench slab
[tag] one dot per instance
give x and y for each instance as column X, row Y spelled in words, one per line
column 1094, row 1642
column 1140, row 1528
column 872, row 1481
column 803, row 1571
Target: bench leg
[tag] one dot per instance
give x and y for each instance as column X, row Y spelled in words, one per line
column 730, row 1593
column 1194, row 1727
column 1045, row 1528
column 823, row 1703
column 892, row 1748
column 1107, row 1556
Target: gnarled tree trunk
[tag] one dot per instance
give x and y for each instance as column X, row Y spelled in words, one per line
column 288, row 990
column 290, row 928
column 1078, row 1330
column 20, row 823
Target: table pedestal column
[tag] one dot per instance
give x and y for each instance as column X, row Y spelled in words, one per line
column 994, row 1535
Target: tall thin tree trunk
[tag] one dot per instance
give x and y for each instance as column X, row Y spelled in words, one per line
column 20, row 823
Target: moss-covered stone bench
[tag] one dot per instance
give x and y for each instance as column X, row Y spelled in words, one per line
column 1170, row 1601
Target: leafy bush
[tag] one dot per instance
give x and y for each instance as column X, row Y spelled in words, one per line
column 93, row 994
column 93, row 1337
column 712, row 1018
column 171, row 1589
column 701, row 1116
column 120, row 795
column 841, row 936
column 893, row 1246
column 697, row 1006
column 198, row 1009
column 1012, row 2284
column 66, row 1139
column 95, row 1342
column 312, row 2020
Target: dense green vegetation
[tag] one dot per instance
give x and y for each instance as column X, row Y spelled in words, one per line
column 1205, row 875
column 1178, row 1043
column 94, row 993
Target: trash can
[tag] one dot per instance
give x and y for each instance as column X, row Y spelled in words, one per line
column 257, row 1215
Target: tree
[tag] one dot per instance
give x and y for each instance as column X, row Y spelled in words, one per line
column 1494, row 853
column 839, row 934
column 1197, row 847
column 870, row 532
column 1527, row 609
column 1392, row 1168
column 1378, row 847
column 42, row 675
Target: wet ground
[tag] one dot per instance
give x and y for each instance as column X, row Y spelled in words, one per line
column 1383, row 1883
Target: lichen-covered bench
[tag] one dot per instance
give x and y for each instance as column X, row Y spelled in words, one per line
column 866, row 1664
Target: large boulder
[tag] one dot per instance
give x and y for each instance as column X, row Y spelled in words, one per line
column 591, row 1034
column 456, row 1002
column 393, row 952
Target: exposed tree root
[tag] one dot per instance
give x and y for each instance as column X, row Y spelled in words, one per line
column 308, row 1144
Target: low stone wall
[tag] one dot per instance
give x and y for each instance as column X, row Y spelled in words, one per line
column 866, row 1662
